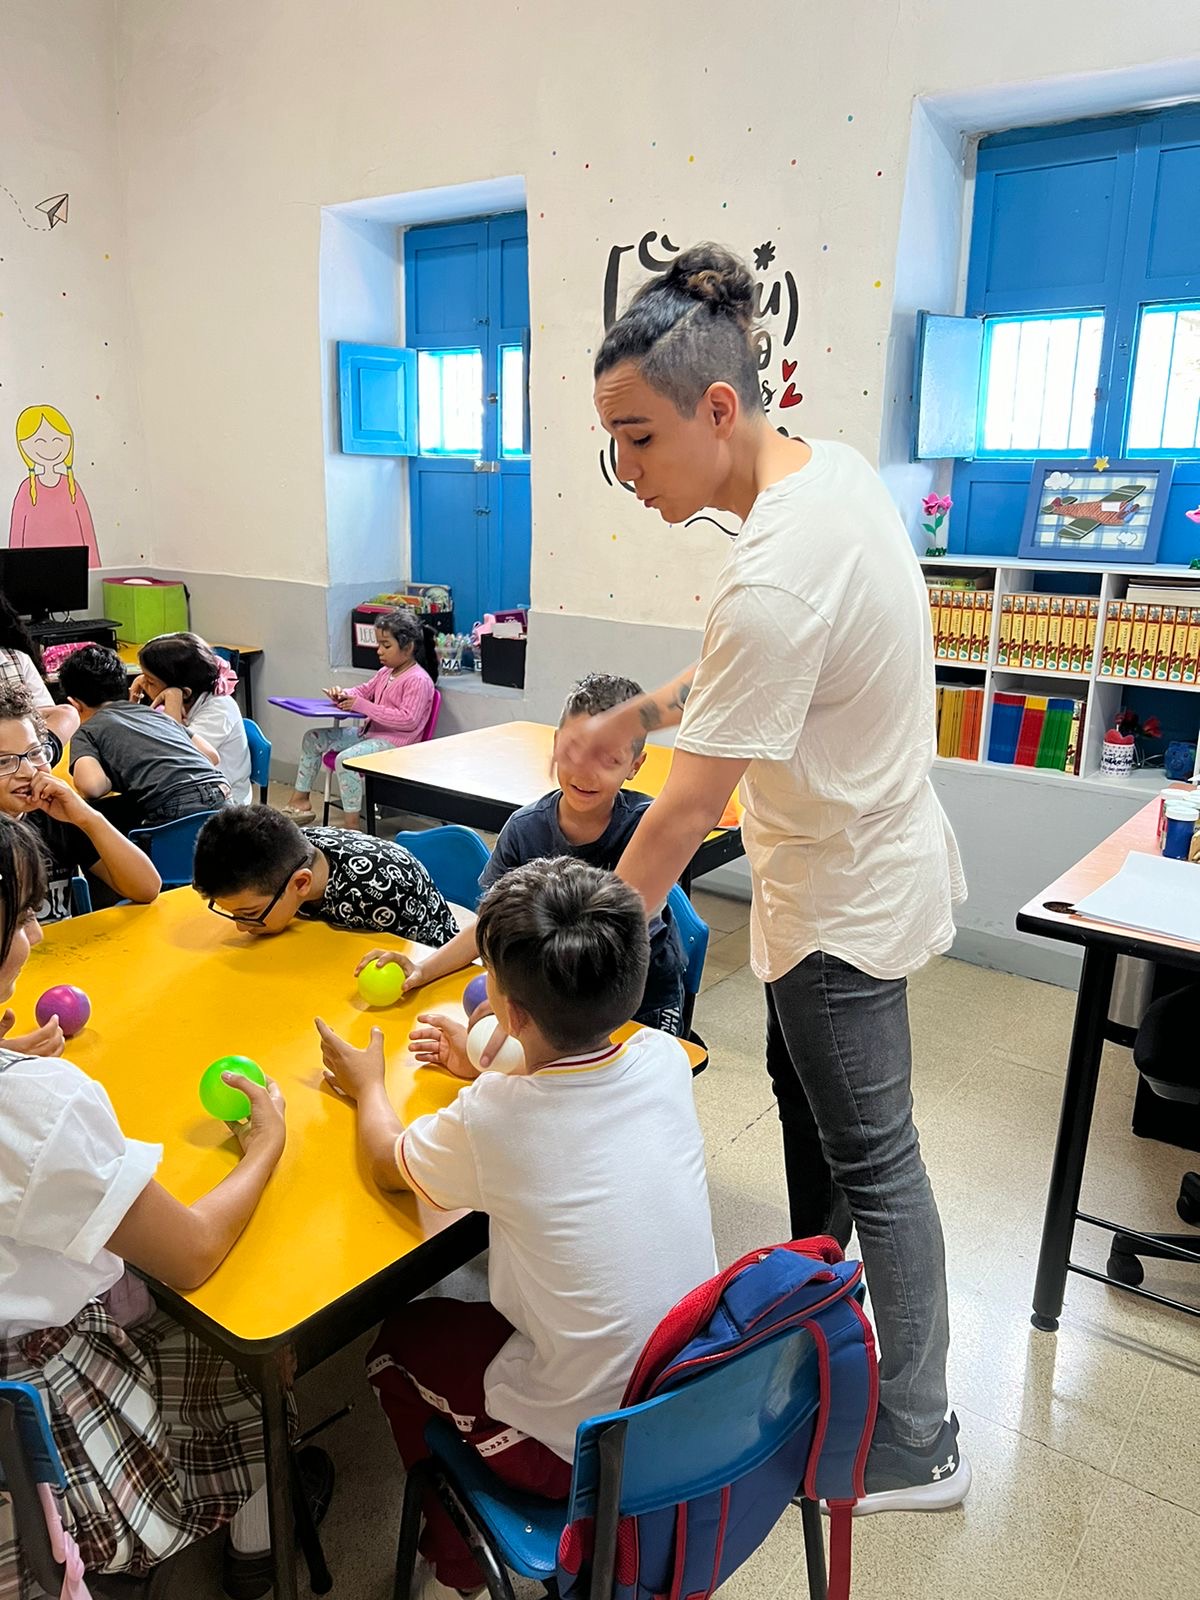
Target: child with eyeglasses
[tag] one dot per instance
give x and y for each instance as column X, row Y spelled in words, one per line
column 72, row 836
column 256, row 867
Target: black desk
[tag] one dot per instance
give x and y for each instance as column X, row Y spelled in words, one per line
column 1102, row 944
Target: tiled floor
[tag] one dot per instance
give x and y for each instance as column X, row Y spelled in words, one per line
column 1085, row 1445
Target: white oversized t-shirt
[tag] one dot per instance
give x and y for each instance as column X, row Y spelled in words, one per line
column 817, row 667
column 216, row 717
column 592, row 1172
column 68, row 1175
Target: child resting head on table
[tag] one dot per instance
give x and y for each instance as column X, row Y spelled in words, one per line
column 591, row 817
column 160, row 1439
column 73, row 836
column 590, row 1164
column 256, row 867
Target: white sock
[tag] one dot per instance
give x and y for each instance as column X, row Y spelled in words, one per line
column 250, row 1529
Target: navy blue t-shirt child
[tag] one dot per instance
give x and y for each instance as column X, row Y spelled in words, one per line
column 533, row 832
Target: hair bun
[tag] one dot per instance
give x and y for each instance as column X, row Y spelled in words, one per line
column 715, row 277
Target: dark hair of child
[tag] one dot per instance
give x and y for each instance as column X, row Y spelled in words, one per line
column 568, row 943
column 247, row 848
column 93, row 676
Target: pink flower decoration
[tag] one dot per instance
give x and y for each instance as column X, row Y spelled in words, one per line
column 944, row 503
column 931, row 504
column 1192, row 516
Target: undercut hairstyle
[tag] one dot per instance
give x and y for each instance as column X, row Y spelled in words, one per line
column 22, row 878
column 183, row 661
column 94, row 676
column 690, row 327
column 247, row 849
column 601, row 691
column 568, row 944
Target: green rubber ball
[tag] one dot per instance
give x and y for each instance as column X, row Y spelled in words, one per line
column 218, row 1098
column 381, row 986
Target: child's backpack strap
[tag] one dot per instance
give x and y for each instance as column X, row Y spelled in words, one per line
column 801, row 1283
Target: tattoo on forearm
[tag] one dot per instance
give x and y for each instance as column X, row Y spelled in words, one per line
column 650, row 714
column 680, row 695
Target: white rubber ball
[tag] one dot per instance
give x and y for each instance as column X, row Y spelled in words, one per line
column 511, row 1057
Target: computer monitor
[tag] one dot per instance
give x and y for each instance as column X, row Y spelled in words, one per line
column 39, row 581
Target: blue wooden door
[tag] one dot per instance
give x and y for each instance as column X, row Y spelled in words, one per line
column 467, row 308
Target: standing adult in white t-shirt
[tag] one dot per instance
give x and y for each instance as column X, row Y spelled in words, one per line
column 815, row 691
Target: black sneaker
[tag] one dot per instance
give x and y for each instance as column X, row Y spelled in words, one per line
column 899, row 1479
column 246, row 1575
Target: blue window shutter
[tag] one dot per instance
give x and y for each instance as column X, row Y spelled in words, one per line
column 377, row 387
column 946, row 386
column 445, row 286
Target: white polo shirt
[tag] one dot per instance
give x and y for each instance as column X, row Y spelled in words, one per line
column 817, row 667
column 592, row 1172
column 68, row 1175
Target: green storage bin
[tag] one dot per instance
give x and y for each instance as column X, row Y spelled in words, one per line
column 145, row 607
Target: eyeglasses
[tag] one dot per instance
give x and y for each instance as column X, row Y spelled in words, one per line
column 260, row 920
column 42, row 755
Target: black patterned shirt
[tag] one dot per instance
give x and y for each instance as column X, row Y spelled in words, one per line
column 377, row 886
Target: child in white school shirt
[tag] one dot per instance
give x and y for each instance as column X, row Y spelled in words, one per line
column 590, row 1165
column 160, row 1439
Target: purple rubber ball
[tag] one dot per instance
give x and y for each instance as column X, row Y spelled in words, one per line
column 70, row 1005
column 475, row 993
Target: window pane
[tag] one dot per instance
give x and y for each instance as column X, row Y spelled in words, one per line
column 450, row 401
column 1164, row 413
column 512, row 400
column 1040, row 383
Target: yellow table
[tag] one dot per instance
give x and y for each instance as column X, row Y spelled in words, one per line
column 326, row 1255
column 481, row 777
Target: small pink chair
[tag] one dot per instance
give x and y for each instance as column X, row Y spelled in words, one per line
column 329, row 759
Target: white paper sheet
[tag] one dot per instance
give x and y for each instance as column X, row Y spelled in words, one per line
column 1151, row 893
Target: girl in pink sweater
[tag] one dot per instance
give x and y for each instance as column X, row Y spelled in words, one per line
column 396, row 704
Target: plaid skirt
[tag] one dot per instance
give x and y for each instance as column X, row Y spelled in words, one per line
column 160, row 1439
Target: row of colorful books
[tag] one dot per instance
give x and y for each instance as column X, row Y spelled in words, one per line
column 1036, row 730
column 1048, row 632
column 959, row 720
column 962, row 622
column 1152, row 643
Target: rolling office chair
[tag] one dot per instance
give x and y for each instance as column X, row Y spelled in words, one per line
column 1164, row 1052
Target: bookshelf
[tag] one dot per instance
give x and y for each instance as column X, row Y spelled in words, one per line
column 1103, row 695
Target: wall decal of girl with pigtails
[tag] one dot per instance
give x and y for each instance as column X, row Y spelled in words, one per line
column 50, row 508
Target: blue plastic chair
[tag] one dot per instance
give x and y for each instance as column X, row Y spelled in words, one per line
column 649, row 1457
column 260, row 757
column 693, row 935
column 454, row 857
column 28, row 1456
column 171, row 846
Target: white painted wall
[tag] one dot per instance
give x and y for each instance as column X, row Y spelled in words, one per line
column 365, row 496
column 65, row 323
column 239, row 123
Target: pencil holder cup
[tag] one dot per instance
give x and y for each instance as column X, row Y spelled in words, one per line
column 1117, row 759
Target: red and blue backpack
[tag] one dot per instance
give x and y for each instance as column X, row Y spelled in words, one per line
column 684, row 1552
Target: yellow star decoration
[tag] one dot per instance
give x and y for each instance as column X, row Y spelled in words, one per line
column 1101, row 464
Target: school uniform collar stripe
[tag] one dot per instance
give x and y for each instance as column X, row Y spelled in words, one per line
column 569, row 1066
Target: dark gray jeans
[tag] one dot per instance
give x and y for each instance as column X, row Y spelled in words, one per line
column 843, row 1084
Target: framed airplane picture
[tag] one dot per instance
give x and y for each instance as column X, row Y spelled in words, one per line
column 1102, row 510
